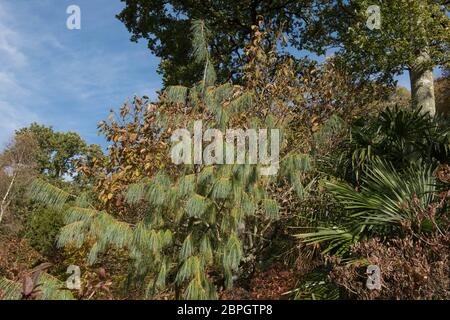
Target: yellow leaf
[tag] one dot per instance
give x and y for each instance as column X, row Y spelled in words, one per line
column 315, row 127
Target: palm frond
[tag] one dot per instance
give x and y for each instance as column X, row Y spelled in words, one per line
column 337, row 240
column 48, row 287
column 10, row 290
column 387, row 196
column 316, row 286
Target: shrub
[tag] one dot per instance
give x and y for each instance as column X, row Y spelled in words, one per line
column 42, row 229
column 411, row 268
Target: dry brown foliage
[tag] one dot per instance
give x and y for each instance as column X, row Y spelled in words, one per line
column 442, row 93
column 411, row 268
column 16, row 256
column 271, row 284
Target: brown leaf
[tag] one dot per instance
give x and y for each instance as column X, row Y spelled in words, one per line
column 27, row 286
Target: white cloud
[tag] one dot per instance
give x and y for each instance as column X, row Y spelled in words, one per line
column 68, row 78
column 13, row 112
column 12, row 118
column 9, row 47
column 14, row 96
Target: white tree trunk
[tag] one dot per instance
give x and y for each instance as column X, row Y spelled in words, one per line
column 422, row 84
column 4, row 204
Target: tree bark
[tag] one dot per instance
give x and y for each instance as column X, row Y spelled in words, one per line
column 422, row 84
column 4, row 203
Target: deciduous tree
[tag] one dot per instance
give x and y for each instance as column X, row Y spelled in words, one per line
column 164, row 23
column 414, row 36
column 58, row 150
column 17, row 168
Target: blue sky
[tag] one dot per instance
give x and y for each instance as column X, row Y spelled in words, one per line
column 69, row 79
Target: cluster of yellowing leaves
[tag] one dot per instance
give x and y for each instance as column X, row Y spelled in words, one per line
column 137, row 149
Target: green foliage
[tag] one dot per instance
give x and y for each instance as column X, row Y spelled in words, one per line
column 10, row 290
column 399, row 136
column 196, row 205
column 49, row 288
column 177, row 94
column 387, row 197
column 293, row 166
column 200, row 40
column 42, row 191
column 164, row 24
column 58, row 150
column 383, row 52
column 337, row 240
column 42, row 229
column 412, row 36
column 53, row 289
column 271, row 208
column 388, row 202
column 199, row 228
column 202, row 210
column 334, row 126
column 194, row 231
column 381, row 172
column 316, row 286
column 388, row 161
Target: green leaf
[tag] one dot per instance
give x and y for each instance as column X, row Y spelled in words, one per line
column 271, row 208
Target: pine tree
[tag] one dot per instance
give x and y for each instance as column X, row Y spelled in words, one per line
column 202, row 219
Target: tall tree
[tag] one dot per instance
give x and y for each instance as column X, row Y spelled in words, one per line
column 405, row 35
column 58, row 150
column 442, row 92
column 165, row 25
column 202, row 220
column 17, row 165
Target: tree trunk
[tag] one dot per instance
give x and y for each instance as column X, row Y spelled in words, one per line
column 422, row 84
column 5, row 202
